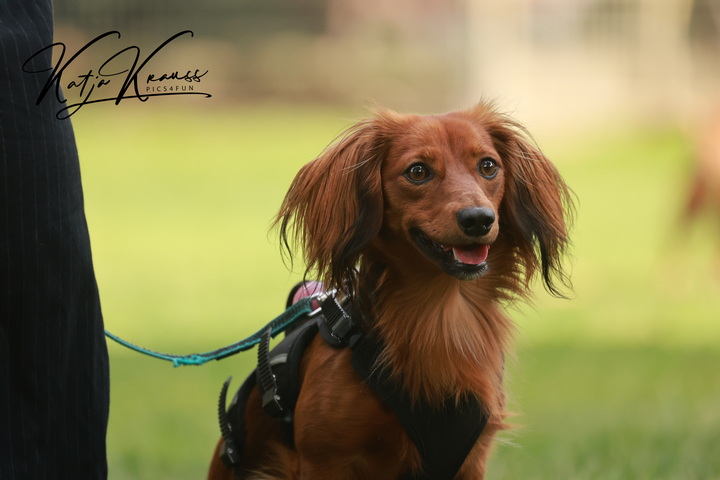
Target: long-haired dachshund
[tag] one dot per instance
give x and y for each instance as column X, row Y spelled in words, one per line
column 428, row 224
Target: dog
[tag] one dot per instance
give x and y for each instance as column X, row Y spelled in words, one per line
column 703, row 194
column 429, row 225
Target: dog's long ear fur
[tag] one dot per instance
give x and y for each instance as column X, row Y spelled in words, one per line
column 334, row 206
column 537, row 205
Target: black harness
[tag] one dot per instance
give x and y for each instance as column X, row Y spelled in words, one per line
column 443, row 436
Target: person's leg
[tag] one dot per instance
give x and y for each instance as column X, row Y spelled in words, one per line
column 54, row 386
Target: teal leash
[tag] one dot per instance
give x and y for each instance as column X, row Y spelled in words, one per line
column 298, row 311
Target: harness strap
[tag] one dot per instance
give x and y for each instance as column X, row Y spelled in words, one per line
column 443, row 435
column 335, row 326
column 230, row 454
column 266, row 379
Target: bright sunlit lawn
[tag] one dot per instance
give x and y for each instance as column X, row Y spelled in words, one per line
column 621, row 381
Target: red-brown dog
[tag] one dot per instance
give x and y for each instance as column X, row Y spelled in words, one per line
column 703, row 196
column 429, row 224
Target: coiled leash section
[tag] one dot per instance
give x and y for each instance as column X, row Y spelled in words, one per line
column 286, row 320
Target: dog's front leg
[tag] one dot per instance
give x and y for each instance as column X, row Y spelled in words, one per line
column 342, row 428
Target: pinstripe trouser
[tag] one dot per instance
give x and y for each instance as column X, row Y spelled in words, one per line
column 54, row 392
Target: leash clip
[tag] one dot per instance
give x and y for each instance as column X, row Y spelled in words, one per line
column 320, row 298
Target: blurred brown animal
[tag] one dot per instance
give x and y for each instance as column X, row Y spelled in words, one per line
column 704, row 192
column 429, row 224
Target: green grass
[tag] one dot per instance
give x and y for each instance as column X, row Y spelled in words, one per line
column 613, row 412
column 621, row 381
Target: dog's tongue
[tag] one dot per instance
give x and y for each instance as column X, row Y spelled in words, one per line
column 472, row 254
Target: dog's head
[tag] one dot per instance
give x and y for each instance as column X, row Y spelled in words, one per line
column 463, row 193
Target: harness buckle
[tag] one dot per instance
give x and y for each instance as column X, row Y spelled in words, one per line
column 271, row 403
column 338, row 321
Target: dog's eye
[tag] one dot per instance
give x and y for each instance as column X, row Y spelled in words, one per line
column 417, row 173
column 488, row 168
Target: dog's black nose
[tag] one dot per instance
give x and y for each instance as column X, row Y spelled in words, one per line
column 476, row 221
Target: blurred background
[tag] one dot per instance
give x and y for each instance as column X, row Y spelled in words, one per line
column 620, row 381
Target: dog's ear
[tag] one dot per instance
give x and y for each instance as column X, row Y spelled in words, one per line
column 537, row 205
column 334, row 206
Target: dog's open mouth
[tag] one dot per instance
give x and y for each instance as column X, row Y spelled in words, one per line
column 465, row 262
